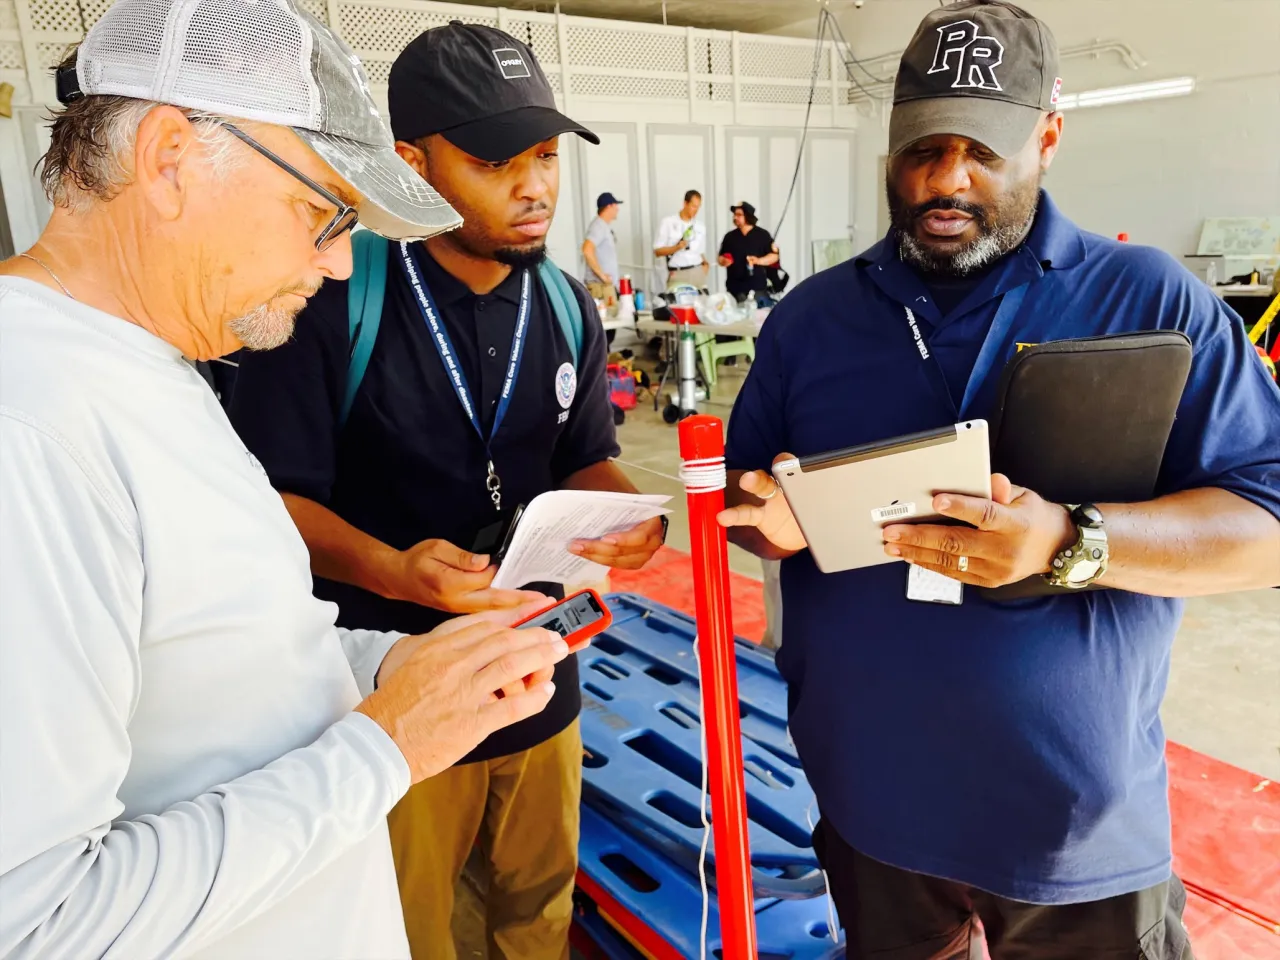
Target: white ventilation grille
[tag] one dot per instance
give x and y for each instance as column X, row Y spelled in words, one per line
column 52, row 54
column 378, row 71
column 317, row 8
column 764, row 58
column 56, row 16
column 94, row 9
column 718, row 92
column 608, row 59
column 613, row 47
column 11, row 56
column 541, row 37
column 381, row 32
column 712, row 55
column 777, row 93
column 628, row 88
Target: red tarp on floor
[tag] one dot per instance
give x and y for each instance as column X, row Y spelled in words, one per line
column 1226, row 821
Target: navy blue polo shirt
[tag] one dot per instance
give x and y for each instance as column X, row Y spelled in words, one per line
column 409, row 466
column 1014, row 746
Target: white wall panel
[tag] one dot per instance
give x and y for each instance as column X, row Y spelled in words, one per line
column 613, row 167
column 680, row 159
column 782, row 164
column 745, row 174
column 829, row 189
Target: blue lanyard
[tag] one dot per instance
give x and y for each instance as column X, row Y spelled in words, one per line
column 448, row 356
column 991, row 348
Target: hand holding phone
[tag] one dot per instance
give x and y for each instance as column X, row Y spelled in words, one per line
column 577, row 618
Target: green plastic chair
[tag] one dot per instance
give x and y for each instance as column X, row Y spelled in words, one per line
column 711, row 353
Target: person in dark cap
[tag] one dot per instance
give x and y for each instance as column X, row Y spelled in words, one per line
column 745, row 252
column 994, row 769
column 600, row 251
column 485, row 387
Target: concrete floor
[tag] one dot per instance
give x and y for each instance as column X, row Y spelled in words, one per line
column 1224, row 689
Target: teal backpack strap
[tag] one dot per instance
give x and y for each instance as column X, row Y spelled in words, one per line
column 565, row 304
column 370, row 254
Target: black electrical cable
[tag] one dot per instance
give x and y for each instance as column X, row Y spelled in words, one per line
column 852, row 59
column 808, row 111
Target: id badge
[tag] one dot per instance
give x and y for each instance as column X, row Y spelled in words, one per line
column 925, row 586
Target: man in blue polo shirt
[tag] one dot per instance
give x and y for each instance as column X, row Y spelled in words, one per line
column 1000, row 762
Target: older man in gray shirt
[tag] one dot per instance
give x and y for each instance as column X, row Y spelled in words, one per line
column 600, row 250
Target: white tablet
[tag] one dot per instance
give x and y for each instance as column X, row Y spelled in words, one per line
column 843, row 499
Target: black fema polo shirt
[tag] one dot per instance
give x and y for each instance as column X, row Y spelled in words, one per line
column 409, row 466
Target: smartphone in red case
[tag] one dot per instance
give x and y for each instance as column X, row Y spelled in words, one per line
column 577, row 618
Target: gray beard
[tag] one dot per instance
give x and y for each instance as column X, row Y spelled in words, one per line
column 976, row 256
column 264, row 328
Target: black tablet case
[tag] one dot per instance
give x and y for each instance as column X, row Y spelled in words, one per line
column 1087, row 421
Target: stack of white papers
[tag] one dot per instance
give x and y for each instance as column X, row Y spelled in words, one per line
column 539, row 551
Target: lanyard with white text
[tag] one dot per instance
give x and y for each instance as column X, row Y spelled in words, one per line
column 991, row 346
column 448, row 356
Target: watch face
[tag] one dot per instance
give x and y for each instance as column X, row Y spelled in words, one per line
column 1082, row 571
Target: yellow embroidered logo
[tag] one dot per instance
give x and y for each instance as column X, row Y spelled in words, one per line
column 1022, row 346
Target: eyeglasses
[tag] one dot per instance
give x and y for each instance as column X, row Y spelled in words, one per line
column 342, row 221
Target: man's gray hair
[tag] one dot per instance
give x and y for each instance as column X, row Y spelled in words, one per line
column 92, row 140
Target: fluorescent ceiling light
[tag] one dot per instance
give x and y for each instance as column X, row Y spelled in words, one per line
column 1155, row 90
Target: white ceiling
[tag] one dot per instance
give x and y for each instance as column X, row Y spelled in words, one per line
column 749, row 16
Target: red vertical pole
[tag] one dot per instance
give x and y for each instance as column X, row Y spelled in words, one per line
column 702, row 439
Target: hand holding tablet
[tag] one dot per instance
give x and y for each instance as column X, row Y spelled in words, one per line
column 844, row 499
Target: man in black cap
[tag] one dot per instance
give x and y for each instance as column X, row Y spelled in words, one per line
column 995, row 770
column 394, row 474
column 745, row 252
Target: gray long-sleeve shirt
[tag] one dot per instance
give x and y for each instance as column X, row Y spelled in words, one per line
column 180, row 770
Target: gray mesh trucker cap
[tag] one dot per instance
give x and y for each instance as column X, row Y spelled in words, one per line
column 265, row 60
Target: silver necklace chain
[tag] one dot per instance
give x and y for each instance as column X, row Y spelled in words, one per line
column 50, row 272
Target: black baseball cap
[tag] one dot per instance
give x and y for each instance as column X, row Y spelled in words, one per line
column 747, row 209
column 981, row 69
column 606, row 200
column 480, row 88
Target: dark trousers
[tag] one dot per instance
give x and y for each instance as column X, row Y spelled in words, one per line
column 893, row 914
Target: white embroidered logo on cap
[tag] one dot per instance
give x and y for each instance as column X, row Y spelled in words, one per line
column 972, row 58
column 566, row 385
column 511, row 63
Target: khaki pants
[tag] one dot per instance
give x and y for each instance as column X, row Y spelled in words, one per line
column 603, row 291
column 697, row 276
column 523, row 812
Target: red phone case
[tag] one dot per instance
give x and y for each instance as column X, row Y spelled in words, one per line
column 579, row 639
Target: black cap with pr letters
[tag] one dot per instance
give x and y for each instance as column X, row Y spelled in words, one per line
column 982, row 69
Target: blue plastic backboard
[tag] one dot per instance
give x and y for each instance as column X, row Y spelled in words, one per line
column 641, row 729
column 669, row 901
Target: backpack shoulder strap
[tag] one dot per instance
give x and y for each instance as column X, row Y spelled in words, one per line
column 365, row 291
column 565, row 304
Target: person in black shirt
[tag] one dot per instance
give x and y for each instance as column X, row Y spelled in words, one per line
column 745, row 251
column 391, row 502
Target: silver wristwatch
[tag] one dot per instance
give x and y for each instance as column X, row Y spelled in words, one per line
column 1085, row 560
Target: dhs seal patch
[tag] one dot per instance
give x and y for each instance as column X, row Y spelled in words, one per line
column 566, row 385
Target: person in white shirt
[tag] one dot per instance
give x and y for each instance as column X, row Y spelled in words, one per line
column 195, row 762
column 682, row 241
